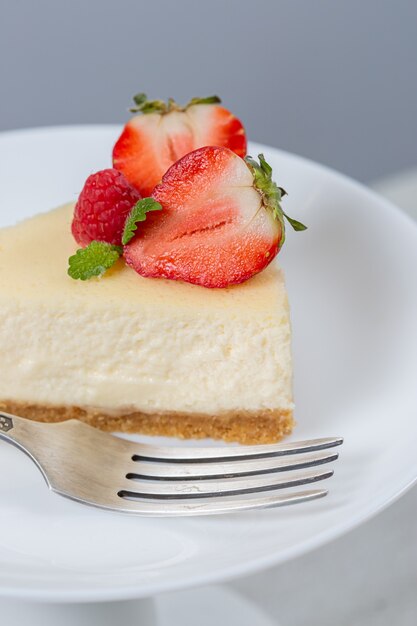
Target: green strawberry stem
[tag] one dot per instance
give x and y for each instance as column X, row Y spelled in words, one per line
column 143, row 105
column 271, row 193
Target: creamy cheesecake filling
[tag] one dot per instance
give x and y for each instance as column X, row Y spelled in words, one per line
column 124, row 343
column 135, row 362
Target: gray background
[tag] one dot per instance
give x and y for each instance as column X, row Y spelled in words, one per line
column 334, row 80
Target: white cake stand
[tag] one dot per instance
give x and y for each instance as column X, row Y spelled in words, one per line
column 205, row 606
column 355, row 354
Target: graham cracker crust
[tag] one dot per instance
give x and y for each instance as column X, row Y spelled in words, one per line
column 248, row 427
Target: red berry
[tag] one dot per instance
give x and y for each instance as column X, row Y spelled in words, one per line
column 102, row 208
column 152, row 141
column 216, row 227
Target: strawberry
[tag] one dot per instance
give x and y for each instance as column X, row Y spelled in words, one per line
column 163, row 133
column 221, row 221
column 102, row 208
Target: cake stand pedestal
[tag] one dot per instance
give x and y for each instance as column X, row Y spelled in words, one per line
column 205, row 606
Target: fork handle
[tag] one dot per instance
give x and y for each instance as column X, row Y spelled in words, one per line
column 26, row 434
column 6, row 422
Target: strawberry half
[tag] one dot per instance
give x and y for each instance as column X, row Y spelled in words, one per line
column 221, row 221
column 163, row 133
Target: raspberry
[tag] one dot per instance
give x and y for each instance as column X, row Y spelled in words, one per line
column 102, row 208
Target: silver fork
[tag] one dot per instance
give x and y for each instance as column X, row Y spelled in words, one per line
column 99, row 469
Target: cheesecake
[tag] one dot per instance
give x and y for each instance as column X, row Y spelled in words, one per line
column 127, row 353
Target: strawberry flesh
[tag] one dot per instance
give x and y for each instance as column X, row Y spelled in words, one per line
column 150, row 143
column 213, row 229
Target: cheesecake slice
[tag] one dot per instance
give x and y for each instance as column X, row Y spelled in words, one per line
column 133, row 354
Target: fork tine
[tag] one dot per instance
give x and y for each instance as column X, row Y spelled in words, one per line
column 212, row 506
column 236, row 452
column 196, row 471
column 212, row 488
column 79, row 469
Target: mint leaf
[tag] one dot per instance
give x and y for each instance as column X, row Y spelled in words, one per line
column 138, row 214
column 93, row 260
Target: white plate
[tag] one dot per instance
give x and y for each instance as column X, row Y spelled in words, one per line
column 352, row 280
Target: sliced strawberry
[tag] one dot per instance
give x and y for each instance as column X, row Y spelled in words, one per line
column 221, row 221
column 163, row 133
